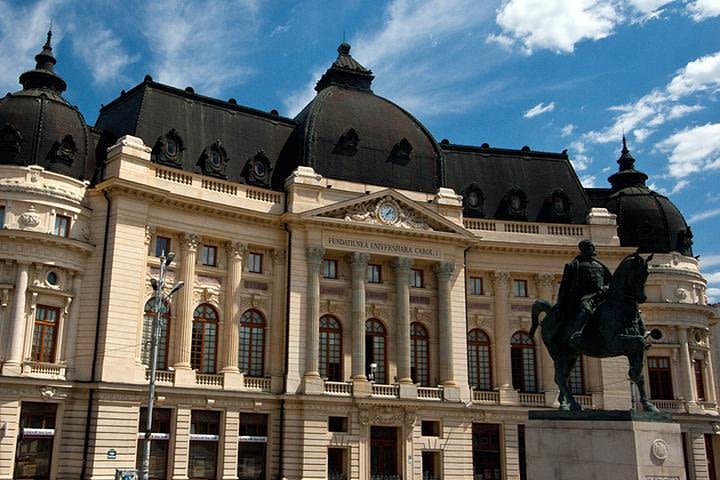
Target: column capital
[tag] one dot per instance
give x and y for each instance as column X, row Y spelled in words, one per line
column 314, row 255
column 444, row 270
column 190, row 241
column 500, row 278
column 359, row 260
column 402, row 264
column 545, row 279
column 149, row 232
column 235, row 249
column 277, row 255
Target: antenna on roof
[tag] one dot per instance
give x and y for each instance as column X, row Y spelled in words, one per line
column 343, row 36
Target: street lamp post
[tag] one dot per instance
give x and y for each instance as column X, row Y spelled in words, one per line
column 158, row 286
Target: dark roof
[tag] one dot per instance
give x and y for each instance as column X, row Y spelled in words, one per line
column 646, row 219
column 496, row 172
column 151, row 110
column 39, row 127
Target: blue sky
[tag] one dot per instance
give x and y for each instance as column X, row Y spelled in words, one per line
column 551, row 74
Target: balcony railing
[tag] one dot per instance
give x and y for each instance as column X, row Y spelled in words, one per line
column 430, row 393
column 532, row 399
column 162, row 377
column 392, row 391
column 338, row 388
column 257, row 384
column 486, row 397
column 675, row 406
column 584, row 400
column 44, row 369
column 209, row 380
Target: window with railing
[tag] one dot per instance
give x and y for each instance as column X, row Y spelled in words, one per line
column 204, row 339
column 660, row 378
column 523, row 363
column 330, row 349
column 479, row 360
column 44, row 333
column 251, row 349
column 375, row 350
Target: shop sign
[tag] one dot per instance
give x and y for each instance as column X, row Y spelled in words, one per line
column 38, row 432
column 253, row 439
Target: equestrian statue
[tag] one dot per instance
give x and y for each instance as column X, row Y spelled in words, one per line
column 596, row 315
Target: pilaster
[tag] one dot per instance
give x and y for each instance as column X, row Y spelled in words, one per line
column 13, row 363
column 313, row 383
column 358, row 264
column 402, row 265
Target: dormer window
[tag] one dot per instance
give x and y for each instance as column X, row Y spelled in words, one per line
column 168, row 149
column 62, row 154
column 10, row 140
column 513, row 205
column 474, row 200
column 257, row 170
column 401, row 152
column 347, row 144
column 556, row 208
column 213, row 160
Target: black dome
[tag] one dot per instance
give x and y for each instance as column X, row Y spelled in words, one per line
column 39, row 127
column 646, row 219
column 348, row 132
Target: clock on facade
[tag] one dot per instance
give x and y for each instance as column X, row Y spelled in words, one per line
column 388, row 213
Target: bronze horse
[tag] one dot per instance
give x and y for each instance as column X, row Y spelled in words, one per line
column 614, row 329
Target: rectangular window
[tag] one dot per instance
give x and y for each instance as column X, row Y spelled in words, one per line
column 2, row 217
column 660, row 378
column 204, row 439
column 430, row 428
column 255, row 262
column 431, row 465
column 374, row 274
column 159, row 442
column 33, row 459
column 416, row 278
column 208, row 255
column 162, row 246
column 46, row 322
column 337, row 424
column 699, row 381
column 486, row 451
column 520, row 288
column 329, row 268
column 476, row 286
column 62, row 226
column 252, row 448
column 337, row 463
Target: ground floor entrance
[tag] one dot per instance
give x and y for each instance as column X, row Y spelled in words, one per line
column 384, row 458
column 487, row 463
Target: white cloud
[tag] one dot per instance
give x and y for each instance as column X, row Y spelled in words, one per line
column 707, row 261
column 678, row 111
column 539, row 109
column 567, row 130
column 102, row 51
column 704, row 215
column 205, row 47
column 712, row 278
column 23, row 27
column 556, row 24
column 693, row 149
column 580, row 161
column 588, row 181
column 699, row 75
column 648, row 6
column 701, row 9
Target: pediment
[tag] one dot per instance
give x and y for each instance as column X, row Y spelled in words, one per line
column 390, row 209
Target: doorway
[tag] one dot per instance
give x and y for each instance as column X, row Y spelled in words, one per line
column 384, row 458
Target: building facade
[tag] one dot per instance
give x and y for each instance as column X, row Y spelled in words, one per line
column 356, row 298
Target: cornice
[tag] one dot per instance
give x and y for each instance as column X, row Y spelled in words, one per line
column 568, row 251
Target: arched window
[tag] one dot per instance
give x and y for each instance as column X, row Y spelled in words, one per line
column 251, row 352
column 375, row 350
column 479, row 360
column 522, row 354
column 419, row 354
column 204, row 339
column 577, row 378
column 148, row 317
column 330, row 349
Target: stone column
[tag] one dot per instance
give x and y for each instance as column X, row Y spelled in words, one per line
column 186, row 304
column 313, row 382
column 71, row 322
column 358, row 263
column 444, row 272
column 501, row 290
column 545, row 283
column 277, row 322
column 709, row 376
column 13, row 363
column 231, row 334
column 402, row 266
column 687, row 372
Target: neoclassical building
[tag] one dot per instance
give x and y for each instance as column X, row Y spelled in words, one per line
column 356, row 298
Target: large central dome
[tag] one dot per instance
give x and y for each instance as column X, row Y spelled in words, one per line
column 347, row 132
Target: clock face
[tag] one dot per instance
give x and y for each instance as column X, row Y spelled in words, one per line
column 388, row 213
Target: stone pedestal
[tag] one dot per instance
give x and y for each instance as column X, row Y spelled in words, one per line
column 603, row 445
column 361, row 388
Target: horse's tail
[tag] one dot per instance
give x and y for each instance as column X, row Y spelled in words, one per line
column 538, row 307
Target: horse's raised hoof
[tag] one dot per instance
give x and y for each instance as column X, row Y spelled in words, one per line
column 650, row 407
column 564, row 407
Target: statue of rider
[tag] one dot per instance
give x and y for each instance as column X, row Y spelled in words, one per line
column 584, row 283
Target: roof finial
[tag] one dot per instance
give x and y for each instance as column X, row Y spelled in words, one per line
column 624, row 149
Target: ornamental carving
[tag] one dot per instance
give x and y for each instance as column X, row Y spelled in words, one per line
column 254, row 301
column 386, row 211
column 500, row 279
column 257, row 170
column 168, row 149
column 332, row 306
column 314, row 254
column 480, row 321
column 213, row 160
column 149, row 233
column 29, row 219
column 384, row 416
column 444, row 270
column 376, row 311
column 545, row 280
column 190, row 241
column 660, row 449
column 513, row 205
column 556, row 208
column 681, row 295
column 277, row 256
column 236, row 249
column 474, row 200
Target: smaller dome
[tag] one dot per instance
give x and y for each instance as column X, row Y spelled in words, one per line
column 646, row 219
column 39, row 127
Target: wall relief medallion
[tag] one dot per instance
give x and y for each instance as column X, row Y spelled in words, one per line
column 29, row 219
column 660, row 449
column 681, row 294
